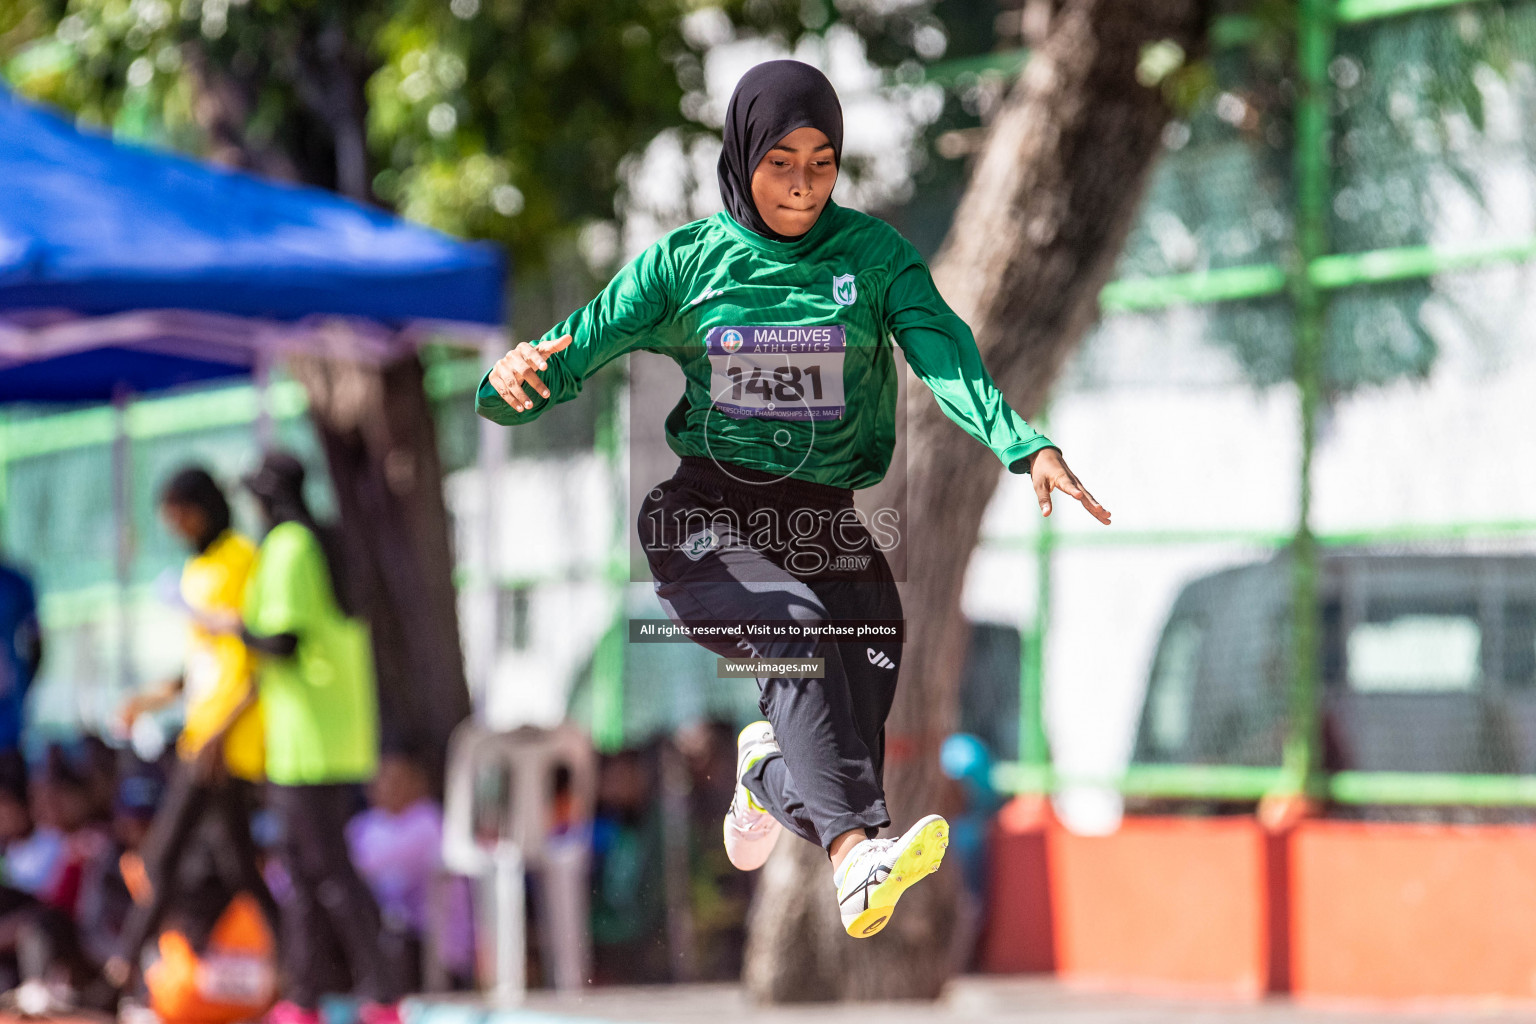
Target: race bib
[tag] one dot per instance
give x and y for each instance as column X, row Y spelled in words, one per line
column 777, row 373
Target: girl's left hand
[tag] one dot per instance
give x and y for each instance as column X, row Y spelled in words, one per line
column 1049, row 472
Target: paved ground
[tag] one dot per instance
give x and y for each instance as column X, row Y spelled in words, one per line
column 970, row 1001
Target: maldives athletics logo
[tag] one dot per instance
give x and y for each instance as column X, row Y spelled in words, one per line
column 844, row 291
column 731, row 341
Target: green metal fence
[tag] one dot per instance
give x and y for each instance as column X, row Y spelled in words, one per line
column 1341, row 104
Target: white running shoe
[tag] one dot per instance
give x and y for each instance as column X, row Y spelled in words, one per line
column 750, row 831
column 877, row 871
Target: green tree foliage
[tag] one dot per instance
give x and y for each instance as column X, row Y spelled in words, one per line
column 499, row 119
column 1407, row 136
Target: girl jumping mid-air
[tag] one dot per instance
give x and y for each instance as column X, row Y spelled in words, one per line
column 780, row 311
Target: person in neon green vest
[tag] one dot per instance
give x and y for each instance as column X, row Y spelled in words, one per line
column 319, row 698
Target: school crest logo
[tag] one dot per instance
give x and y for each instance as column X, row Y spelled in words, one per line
column 700, row 544
column 731, row 341
column 844, row 291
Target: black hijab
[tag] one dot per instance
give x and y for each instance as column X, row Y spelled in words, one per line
column 770, row 101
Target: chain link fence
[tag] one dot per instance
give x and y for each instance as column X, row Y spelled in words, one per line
column 1378, row 481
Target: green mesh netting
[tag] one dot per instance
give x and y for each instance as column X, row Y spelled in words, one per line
column 1435, row 128
column 1194, row 346
column 1428, row 641
column 1220, row 195
column 58, row 517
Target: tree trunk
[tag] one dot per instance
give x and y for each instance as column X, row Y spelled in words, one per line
column 376, row 428
column 374, row 422
column 1052, row 197
column 224, row 107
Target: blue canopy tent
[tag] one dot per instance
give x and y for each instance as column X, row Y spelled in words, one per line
column 126, row 269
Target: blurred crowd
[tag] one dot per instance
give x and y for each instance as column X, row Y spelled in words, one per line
column 284, row 850
column 73, row 831
column 287, row 849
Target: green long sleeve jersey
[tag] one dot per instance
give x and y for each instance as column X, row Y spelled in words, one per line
column 786, row 348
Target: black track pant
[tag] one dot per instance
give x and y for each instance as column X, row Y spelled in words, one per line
column 206, row 817
column 330, row 905
column 730, row 544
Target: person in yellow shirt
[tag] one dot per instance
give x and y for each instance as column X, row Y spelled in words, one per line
column 221, row 749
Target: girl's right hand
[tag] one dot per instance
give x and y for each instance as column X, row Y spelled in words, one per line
column 517, row 368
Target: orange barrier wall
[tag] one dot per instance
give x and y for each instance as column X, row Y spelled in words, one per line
column 1401, row 912
column 1164, row 904
column 1018, row 937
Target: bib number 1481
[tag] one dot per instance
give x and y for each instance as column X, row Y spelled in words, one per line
column 781, row 384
